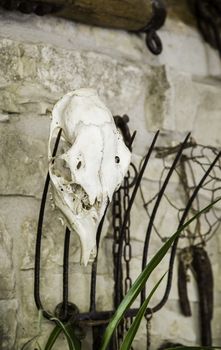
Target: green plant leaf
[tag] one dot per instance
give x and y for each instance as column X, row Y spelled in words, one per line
column 136, row 323
column 139, row 284
column 73, row 342
column 53, row 337
column 72, row 337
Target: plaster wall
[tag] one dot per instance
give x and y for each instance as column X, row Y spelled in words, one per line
column 40, row 60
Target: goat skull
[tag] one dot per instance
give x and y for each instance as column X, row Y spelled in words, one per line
column 91, row 163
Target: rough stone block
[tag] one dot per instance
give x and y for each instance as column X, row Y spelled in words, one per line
column 158, row 101
column 7, row 277
column 175, row 327
column 207, row 121
column 8, row 323
column 23, row 162
column 186, row 51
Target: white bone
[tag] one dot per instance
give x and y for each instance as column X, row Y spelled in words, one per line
column 85, row 173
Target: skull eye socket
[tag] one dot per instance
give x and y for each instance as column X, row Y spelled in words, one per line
column 117, row 159
column 79, row 165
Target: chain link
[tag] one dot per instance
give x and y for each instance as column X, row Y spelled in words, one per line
column 117, row 224
column 121, row 200
column 148, row 329
column 127, row 247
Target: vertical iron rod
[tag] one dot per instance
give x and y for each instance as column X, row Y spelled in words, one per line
column 39, row 236
column 65, row 274
column 94, row 266
column 126, row 216
column 155, row 208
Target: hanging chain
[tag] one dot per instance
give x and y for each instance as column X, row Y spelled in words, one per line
column 120, row 204
column 127, row 247
column 121, row 201
column 148, row 318
column 117, row 224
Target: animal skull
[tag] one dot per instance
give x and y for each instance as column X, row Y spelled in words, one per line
column 90, row 164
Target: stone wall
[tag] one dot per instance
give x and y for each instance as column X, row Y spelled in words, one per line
column 40, row 60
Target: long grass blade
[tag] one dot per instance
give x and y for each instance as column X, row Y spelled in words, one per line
column 72, row 336
column 53, row 337
column 136, row 323
column 139, row 284
column 73, row 342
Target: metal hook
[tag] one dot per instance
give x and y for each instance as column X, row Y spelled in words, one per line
column 153, row 41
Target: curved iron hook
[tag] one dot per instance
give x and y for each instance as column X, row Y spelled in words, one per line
column 153, row 41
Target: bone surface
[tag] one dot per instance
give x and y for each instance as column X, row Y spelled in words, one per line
column 90, row 164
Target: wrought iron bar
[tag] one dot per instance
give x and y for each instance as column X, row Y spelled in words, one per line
column 98, row 320
column 100, row 317
column 104, row 317
column 155, row 208
column 94, row 266
column 39, row 236
column 126, row 215
column 97, row 331
column 65, row 274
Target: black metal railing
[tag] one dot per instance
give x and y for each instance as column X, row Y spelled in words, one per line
column 121, row 217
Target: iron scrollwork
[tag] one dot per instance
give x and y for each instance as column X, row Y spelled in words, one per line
column 66, row 310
